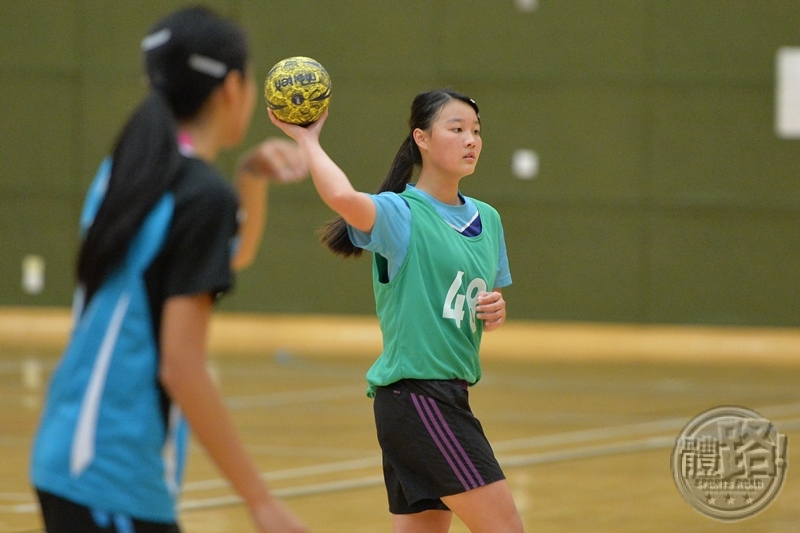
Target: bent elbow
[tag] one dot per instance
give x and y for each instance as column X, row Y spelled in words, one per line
column 341, row 202
column 354, row 210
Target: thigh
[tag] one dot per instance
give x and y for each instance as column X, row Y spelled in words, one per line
column 489, row 508
column 424, row 522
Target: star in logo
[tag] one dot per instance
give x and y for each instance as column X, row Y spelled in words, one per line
column 710, row 499
column 730, row 500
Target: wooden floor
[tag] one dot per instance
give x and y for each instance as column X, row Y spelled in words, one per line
column 584, row 435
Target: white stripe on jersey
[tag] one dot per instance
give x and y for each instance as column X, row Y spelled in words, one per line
column 169, row 454
column 86, row 429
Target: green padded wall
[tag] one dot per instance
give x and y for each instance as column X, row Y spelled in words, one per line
column 664, row 195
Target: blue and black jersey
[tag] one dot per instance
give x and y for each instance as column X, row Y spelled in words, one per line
column 109, row 437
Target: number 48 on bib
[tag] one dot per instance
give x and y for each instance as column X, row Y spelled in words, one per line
column 454, row 302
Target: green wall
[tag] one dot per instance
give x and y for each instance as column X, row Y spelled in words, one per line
column 664, row 195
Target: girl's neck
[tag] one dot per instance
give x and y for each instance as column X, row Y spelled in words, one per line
column 203, row 144
column 446, row 191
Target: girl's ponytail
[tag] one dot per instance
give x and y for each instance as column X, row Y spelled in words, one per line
column 145, row 164
column 334, row 234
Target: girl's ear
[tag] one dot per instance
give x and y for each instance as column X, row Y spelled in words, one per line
column 421, row 138
column 232, row 85
column 224, row 95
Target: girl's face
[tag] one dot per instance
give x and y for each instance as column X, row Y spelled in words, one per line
column 453, row 143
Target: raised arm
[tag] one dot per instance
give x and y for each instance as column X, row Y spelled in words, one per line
column 332, row 185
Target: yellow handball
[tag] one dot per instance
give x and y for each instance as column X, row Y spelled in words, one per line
column 298, row 90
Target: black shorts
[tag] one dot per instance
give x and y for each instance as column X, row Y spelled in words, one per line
column 432, row 444
column 64, row 516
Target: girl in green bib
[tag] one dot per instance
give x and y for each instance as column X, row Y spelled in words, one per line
column 439, row 262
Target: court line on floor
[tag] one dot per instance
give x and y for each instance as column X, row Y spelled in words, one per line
column 597, row 450
column 289, row 492
column 658, row 386
column 308, row 452
column 652, row 443
column 293, row 396
column 584, row 435
column 503, row 446
column 586, row 452
column 371, row 481
column 291, row 473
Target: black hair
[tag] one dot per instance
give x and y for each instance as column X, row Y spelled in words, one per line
column 425, row 109
column 187, row 55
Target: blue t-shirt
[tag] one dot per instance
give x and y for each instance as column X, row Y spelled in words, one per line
column 391, row 233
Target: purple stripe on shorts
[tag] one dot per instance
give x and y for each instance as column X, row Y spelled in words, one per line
column 439, row 437
column 457, row 444
column 444, row 437
column 436, row 440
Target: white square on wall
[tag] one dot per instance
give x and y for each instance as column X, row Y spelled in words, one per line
column 787, row 93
